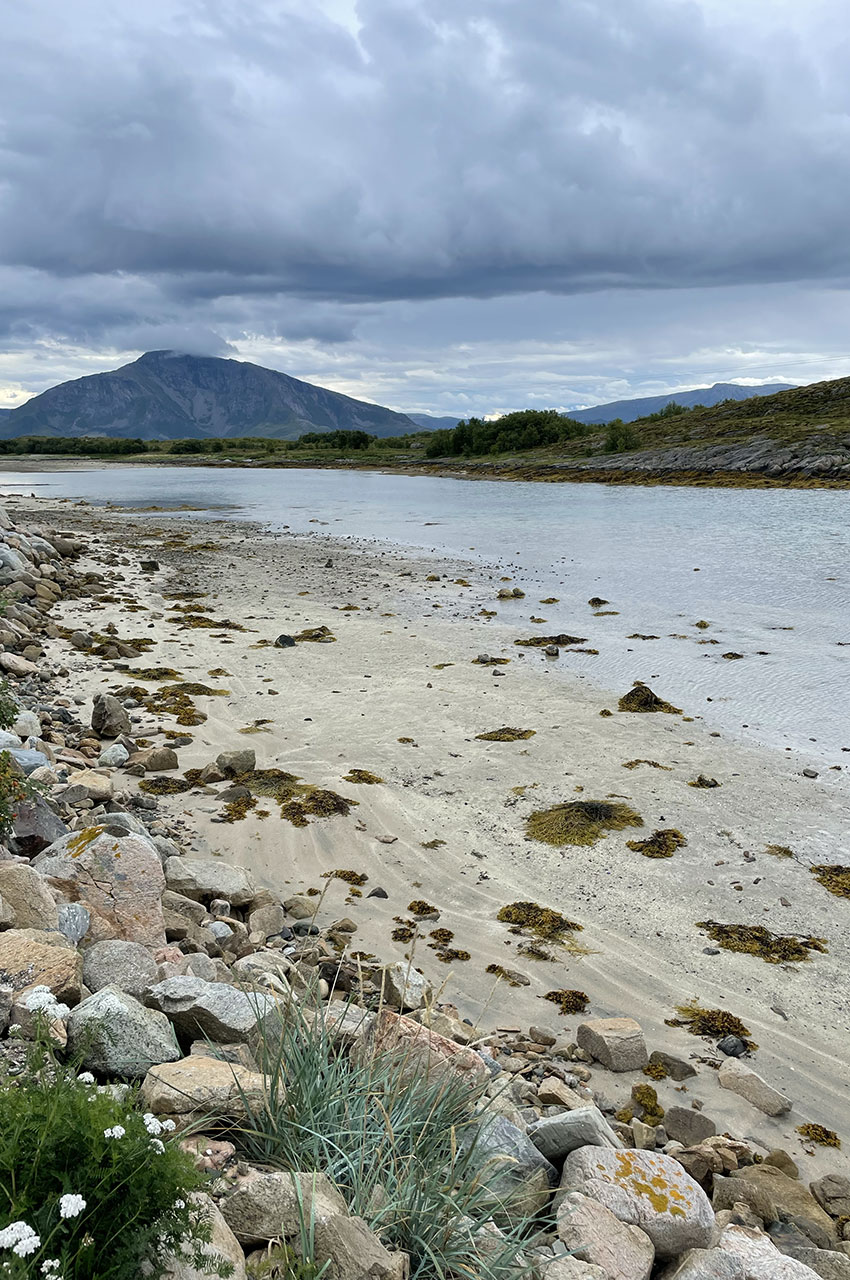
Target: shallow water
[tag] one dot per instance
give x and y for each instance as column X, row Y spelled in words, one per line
column 770, row 570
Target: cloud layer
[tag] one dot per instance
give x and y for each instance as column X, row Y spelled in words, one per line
column 295, row 177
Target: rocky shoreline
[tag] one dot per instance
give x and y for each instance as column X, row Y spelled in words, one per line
column 157, row 965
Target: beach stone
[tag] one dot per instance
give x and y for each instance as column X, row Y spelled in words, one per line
column 27, row 725
column 200, row 1086
column 32, row 957
column 156, row 759
column 7, row 915
column 74, row 921
column 645, row 1189
column 676, row 1068
column 832, row 1192
column 214, row 1009
column 556, row 1136
column 117, row 1035
column 233, row 763
column 88, row 784
column 682, row 1124
column 26, row 892
column 595, row 1235
column 617, row 1043
column 300, row 907
column 827, row 1263
column 404, row 987
column 207, row 878
column 760, row 1257
column 109, row 719
column 568, row 1268
column 741, row 1079
column 116, row 963
column 114, row 757
column 267, row 920
column 705, row 1264
column 26, row 759
column 35, row 825
column 118, row 879
column 792, row 1199
column 284, row 641
column 517, row 1174
column 424, row 1052
column 554, row 1092
column 265, row 1206
column 350, row 1251
column 728, row 1192
column 222, row 1245
column 17, row 666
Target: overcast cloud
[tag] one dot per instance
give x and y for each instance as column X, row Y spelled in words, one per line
column 449, row 205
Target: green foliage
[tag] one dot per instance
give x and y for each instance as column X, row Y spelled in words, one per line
column 9, row 708
column 128, row 1195
column 400, row 1144
column 525, row 429
column 337, row 439
column 620, row 437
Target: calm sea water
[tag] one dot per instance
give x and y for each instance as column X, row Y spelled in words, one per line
column 769, row 569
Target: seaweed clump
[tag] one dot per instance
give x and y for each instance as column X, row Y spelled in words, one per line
column 568, row 1001
column 754, row 939
column 655, row 1070
column 653, row 764
column 834, row 878
column 319, row 635
column 539, row 642
column 580, row 822
column 357, row 878
column 510, row 976
column 704, row 783
column 542, row 922
column 642, row 698
column 165, row 786
column 779, row 851
column 820, row 1134
column 714, row 1023
column 419, row 907
column 661, row 844
column 645, row 1097
column 362, row 775
column 505, row 735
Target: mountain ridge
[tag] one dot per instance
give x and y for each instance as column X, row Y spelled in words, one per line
column 642, row 406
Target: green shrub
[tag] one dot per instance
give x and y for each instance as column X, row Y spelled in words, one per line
column 620, row 437
column 8, row 706
column 89, row 1190
column 401, row 1146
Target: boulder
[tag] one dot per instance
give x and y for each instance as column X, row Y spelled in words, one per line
column 519, row 1177
column 27, row 760
column 300, row 907
column 223, row 1245
column 233, row 763
column 567, row 1268
column 759, row 1256
column 682, row 1124
column 116, row 1035
column 829, row 1264
column 741, row 1079
column 88, row 784
column 645, row 1189
column 35, row 826
column 422, row 1051
column 156, row 759
column 594, row 1234
column 26, row 892
column 705, row 1264
column 267, row 920
column 832, row 1193
column 30, row 957
column 27, row 725
column 213, row 1009
column 347, row 1250
column 116, row 963
column 556, row 1136
column 265, row 1206
column 404, row 987
column 113, row 757
column 17, row 666
column 108, row 718
column 206, row 878
column 119, row 879
column 617, row 1043
column 676, row 1068
column 791, row 1198
column 199, row 1086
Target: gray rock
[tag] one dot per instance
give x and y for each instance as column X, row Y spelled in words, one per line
column 705, row 1264
column 29, row 897
column 267, row 920
column 118, row 1036
column 27, row 725
column 518, row 1175
column 198, row 1008
column 223, row 1245
column 645, row 1189
column 741, row 1079
column 760, row 1258
column 832, row 1193
column 8, row 740
column 676, row 1068
column 404, row 987
column 233, row 763
column 27, row 760
column 266, row 1206
column 36, row 826
column 617, row 1043
column 207, row 878
column 114, row 757
column 594, row 1234
column 682, row 1124
column 556, row 1136
column 350, row 1251
column 828, row 1263
column 74, row 921
column 115, row 963
column 108, row 717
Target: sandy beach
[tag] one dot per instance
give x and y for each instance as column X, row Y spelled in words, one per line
column 400, row 696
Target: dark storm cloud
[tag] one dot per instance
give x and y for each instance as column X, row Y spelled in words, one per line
column 222, row 170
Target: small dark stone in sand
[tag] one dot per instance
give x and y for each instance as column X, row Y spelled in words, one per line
column 284, row 642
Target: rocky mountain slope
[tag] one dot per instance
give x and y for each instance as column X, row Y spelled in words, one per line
column 167, row 396
column 631, row 410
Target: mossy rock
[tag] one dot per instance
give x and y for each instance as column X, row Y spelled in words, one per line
column 542, row 922
column 756, row 940
column 645, row 1097
column 834, row 878
column 568, row 1001
column 505, row 735
column 642, row 698
column 661, row 844
column 580, row 822
column 596, row 602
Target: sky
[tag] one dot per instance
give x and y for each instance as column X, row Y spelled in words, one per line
column 451, row 206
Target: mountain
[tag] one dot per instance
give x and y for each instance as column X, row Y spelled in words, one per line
column 4, row 413
column 629, row 410
column 429, row 422
column 168, row 396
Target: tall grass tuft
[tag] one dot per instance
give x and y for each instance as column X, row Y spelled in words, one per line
column 401, row 1147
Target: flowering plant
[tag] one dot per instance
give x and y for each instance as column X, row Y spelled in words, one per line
column 90, row 1188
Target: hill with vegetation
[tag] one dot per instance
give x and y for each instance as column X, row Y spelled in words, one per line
column 630, row 410
column 167, row 396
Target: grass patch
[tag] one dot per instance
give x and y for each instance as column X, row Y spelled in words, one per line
column 580, row 822
column 754, row 939
column 661, row 844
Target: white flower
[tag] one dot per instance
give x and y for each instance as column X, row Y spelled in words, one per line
column 42, row 1000
column 179, row 1204
column 157, row 1146
column 28, row 1245
column 50, row 1264
column 85, row 1077
column 152, row 1124
column 117, row 1131
column 71, row 1206
column 168, row 1126
column 14, row 1233
column 14, row 1027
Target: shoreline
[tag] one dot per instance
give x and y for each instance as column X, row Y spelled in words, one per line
column 371, row 688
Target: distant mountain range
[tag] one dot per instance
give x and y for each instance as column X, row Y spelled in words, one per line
column 430, row 422
column 167, row 396
column 630, row 410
